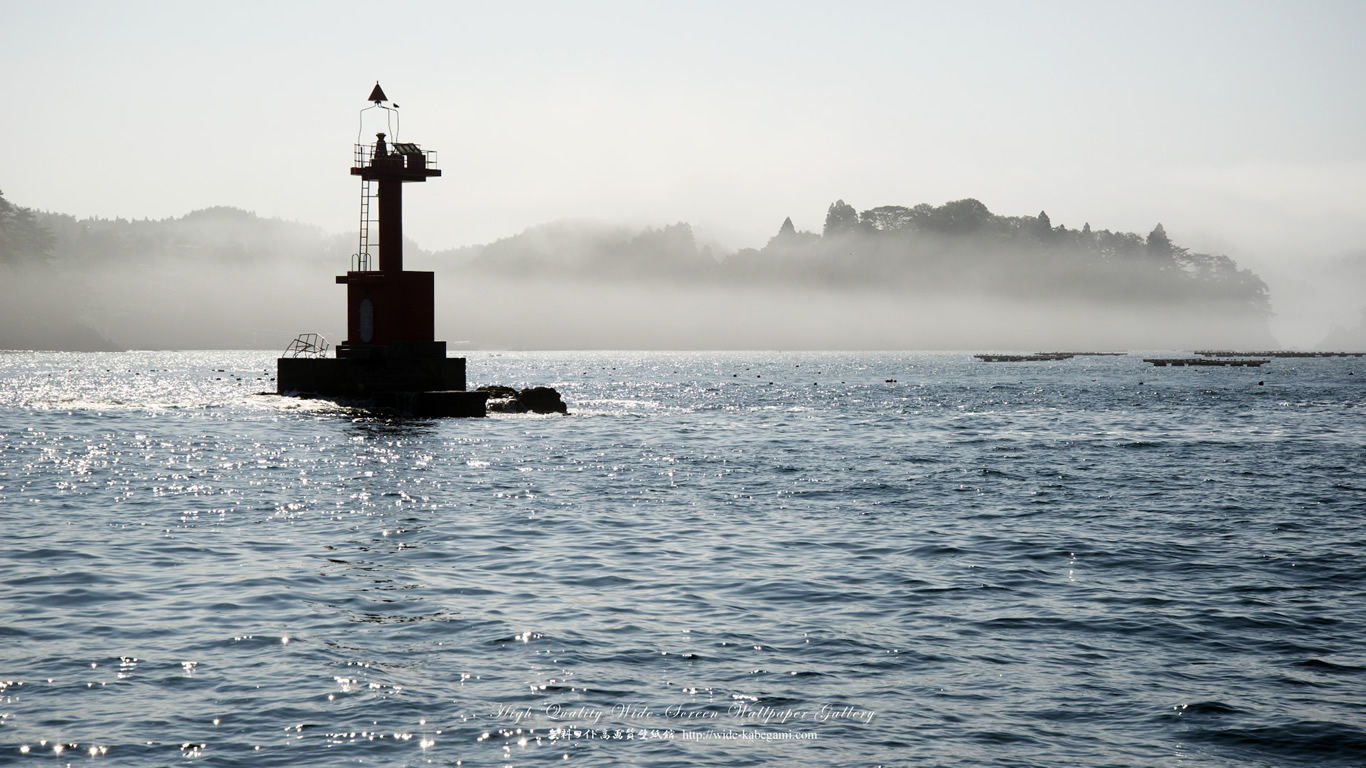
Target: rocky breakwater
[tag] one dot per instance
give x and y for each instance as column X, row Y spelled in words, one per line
column 530, row 400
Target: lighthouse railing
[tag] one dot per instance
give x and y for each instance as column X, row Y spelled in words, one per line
column 364, row 156
column 307, row 345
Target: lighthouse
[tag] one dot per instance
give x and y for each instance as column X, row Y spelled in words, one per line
column 390, row 357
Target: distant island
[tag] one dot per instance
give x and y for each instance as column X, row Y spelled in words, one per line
column 887, row 277
column 956, row 248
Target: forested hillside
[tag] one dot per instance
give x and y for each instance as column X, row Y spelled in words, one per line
column 959, row 247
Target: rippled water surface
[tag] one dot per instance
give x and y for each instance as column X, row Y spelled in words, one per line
column 717, row 559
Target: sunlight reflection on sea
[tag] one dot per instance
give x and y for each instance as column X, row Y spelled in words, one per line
column 717, row 558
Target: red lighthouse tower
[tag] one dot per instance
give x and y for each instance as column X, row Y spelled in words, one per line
column 390, row 355
column 388, row 305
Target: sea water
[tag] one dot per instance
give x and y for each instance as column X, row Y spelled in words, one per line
column 844, row 559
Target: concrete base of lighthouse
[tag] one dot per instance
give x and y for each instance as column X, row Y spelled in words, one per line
column 413, row 378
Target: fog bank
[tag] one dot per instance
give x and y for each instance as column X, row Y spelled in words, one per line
column 167, row 306
column 263, row 306
column 493, row 313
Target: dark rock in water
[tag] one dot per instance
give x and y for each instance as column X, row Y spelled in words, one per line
column 542, row 400
column 534, row 399
column 502, row 399
column 506, row 405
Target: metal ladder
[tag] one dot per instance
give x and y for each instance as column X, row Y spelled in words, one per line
column 360, row 261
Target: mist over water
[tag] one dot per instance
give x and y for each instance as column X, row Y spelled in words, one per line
column 199, row 306
column 1321, row 302
column 534, row 314
column 213, row 306
column 173, row 305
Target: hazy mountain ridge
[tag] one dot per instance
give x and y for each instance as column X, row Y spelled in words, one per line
column 586, row 249
column 887, row 277
column 221, row 233
column 955, row 248
column 214, row 278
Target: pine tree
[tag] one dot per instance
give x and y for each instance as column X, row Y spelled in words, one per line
column 840, row 218
column 1158, row 244
column 1043, row 227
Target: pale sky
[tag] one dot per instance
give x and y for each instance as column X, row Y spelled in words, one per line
column 1241, row 126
